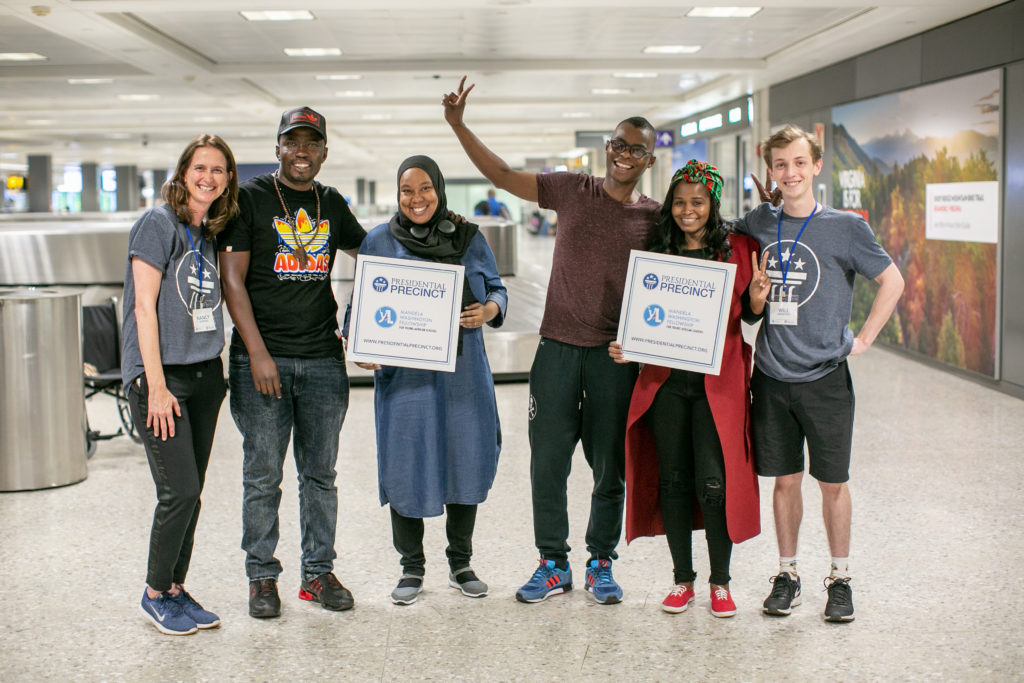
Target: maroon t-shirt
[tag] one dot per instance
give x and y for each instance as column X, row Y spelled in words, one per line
column 588, row 271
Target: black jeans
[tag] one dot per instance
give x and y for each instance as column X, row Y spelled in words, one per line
column 578, row 393
column 178, row 464
column 690, row 464
column 407, row 534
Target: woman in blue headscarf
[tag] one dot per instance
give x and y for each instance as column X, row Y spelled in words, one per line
column 438, row 435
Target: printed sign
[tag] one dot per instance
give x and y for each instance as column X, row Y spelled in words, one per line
column 675, row 310
column 962, row 212
column 405, row 313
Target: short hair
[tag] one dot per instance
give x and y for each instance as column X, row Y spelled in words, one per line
column 638, row 122
column 175, row 192
column 786, row 136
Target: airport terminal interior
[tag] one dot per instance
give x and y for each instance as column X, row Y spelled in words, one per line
column 919, row 107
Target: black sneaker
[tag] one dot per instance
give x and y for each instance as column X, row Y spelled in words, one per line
column 785, row 595
column 840, row 600
column 264, row 602
column 328, row 591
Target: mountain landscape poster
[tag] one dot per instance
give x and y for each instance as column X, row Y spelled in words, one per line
column 887, row 151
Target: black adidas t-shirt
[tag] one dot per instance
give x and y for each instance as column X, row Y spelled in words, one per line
column 292, row 302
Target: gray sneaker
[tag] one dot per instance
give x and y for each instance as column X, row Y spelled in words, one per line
column 407, row 590
column 466, row 581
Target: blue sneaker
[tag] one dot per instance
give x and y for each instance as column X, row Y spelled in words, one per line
column 167, row 615
column 202, row 617
column 548, row 580
column 601, row 584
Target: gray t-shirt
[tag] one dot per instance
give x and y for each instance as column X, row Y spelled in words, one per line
column 190, row 280
column 834, row 248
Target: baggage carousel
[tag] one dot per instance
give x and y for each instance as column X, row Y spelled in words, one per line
column 88, row 252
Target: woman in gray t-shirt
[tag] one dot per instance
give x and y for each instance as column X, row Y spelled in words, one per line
column 172, row 336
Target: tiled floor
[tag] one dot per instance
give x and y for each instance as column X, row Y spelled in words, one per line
column 938, row 536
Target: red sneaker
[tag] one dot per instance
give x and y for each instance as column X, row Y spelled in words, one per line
column 721, row 602
column 678, row 600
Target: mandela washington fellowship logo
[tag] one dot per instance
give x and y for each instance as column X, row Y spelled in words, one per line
column 380, row 283
column 386, row 316
column 650, row 281
column 654, row 315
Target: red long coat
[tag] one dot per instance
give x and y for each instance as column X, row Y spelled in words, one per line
column 729, row 397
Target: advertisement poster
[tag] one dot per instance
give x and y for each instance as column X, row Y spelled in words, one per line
column 922, row 167
column 405, row 313
column 675, row 310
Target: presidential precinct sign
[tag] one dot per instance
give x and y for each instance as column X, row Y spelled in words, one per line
column 675, row 311
column 405, row 313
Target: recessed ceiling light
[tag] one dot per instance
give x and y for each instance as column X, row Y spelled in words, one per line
column 207, row 119
column 20, row 56
column 671, row 49
column 119, row 136
column 278, row 15
column 610, row 91
column 576, row 115
column 138, row 97
column 252, row 133
column 338, row 77
column 636, row 74
column 40, row 122
column 89, row 81
column 723, row 12
column 312, row 51
column 376, row 117
column 354, row 93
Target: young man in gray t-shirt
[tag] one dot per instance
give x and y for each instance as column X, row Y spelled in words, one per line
column 801, row 385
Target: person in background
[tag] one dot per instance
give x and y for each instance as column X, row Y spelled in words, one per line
column 491, row 207
column 438, row 435
column 173, row 334
column 688, row 457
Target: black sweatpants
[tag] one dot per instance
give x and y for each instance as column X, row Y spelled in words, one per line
column 407, row 535
column 178, row 465
column 690, row 464
column 578, row 393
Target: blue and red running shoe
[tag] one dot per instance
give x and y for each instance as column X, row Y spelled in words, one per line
column 548, row 580
column 601, row 584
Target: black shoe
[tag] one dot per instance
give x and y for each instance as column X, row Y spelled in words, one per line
column 785, row 595
column 840, row 600
column 328, row 591
column 264, row 602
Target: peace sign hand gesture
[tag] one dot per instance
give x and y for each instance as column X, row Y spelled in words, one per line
column 455, row 103
column 760, row 283
column 775, row 196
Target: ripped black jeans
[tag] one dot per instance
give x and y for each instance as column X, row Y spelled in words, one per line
column 690, row 466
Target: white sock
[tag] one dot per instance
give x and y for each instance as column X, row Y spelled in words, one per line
column 840, row 568
column 787, row 565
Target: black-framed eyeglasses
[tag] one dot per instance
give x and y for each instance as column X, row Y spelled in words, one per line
column 636, row 151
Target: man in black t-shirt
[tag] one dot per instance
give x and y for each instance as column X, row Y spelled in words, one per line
column 287, row 363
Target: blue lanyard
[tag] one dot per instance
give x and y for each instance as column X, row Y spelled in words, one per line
column 199, row 259
column 778, row 242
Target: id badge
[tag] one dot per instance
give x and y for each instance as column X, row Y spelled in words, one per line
column 202, row 320
column 784, row 312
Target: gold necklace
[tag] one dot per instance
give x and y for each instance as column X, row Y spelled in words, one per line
column 300, row 249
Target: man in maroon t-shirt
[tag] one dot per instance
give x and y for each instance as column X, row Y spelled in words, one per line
column 576, row 391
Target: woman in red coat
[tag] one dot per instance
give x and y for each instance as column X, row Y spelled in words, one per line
column 688, row 458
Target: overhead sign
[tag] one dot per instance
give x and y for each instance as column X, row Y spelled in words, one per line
column 665, row 139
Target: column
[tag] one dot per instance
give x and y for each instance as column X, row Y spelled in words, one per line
column 159, row 178
column 40, row 182
column 90, row 187
column 127, row 187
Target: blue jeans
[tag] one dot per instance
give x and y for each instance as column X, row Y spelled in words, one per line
column 311, row 411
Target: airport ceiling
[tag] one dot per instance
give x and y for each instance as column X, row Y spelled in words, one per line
column 131, row 82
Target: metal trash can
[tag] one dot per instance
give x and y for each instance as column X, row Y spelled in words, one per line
column 503, row 238
column 42, row 408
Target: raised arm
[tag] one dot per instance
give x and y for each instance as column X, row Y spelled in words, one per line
column 494, row 168
column 890, row 289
